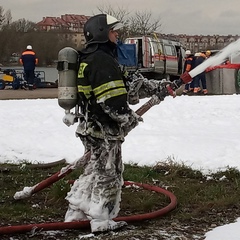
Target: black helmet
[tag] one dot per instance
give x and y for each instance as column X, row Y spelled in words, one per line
column 96, row 29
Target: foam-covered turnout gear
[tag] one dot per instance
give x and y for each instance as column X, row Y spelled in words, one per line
column 126, row 123
column 107, row 225
column 104, row 95
column 132, row 122
column 140, row 87
column 74, row 214
column 105, row 120
column 154, row 87
column 97, row 192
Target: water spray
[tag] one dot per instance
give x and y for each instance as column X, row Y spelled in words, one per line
column 218, row 59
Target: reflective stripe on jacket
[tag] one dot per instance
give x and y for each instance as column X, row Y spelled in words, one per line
column 101, row 90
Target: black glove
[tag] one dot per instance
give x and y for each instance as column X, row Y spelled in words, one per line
column 136, row 75
column 184, row 79
column 165, row 88
column 177, row 84
column 161, row 92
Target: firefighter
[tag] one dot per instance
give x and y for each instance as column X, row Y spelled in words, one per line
column 106, row 119
column 200, row 79
column 29, row 60
column 188, row 66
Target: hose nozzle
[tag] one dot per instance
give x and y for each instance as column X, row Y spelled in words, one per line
column 186, row 77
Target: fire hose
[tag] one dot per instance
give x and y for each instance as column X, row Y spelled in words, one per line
column 86, row 224
column 68, row 169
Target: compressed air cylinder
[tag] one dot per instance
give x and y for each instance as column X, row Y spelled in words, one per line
column 67, row 78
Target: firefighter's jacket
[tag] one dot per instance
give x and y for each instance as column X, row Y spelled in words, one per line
column 189, row 63
column 102, row 95
column 199, row 60
column 29, row 60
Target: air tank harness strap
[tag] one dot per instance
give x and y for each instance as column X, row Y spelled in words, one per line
column 65, row 65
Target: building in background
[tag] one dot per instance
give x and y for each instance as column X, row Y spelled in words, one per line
column 198, row 43
column 69, row 25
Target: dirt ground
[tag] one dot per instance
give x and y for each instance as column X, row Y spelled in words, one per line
column 8, row 94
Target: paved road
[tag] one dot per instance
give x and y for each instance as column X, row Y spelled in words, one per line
column 7, row 94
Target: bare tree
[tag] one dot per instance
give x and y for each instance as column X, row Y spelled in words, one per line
column 142, row 23
column 1, row 16
column 5, row 17
column 8, row 17
column 23, row 25
column 120, row 13
column 138, row 23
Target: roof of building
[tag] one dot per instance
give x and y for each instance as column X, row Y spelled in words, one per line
column 64, row 21
column 52, row 21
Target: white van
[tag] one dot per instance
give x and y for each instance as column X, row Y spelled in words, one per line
column 157, row 58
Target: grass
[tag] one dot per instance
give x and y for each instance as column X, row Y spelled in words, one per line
column 201, row 199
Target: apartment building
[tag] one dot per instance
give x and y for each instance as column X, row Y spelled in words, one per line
column 198, row 43
column 68, row 25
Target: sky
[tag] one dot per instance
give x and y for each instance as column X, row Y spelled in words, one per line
column 177, row 17
column 199, row 131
